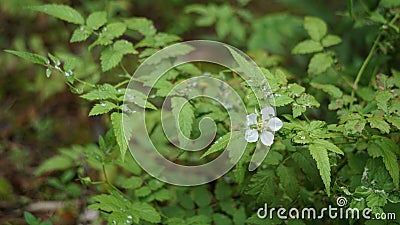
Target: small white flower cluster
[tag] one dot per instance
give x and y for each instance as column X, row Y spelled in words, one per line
column 269, row 124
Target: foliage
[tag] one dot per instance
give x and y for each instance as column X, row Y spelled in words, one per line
column 341, row 113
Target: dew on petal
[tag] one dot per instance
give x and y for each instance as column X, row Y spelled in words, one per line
column 267, row 138
column 267, row 113
column 251, row 135
column 251, row 119
column 275, row 124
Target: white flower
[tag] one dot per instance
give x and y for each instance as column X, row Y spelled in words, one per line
column 269, row 124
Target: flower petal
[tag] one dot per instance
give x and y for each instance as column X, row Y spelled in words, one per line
column 267, row 138
column 251, row 135
column 275, row 124
column 251, row 119
column 267, row 113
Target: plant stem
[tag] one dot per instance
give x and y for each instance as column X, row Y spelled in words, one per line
column 364, row 65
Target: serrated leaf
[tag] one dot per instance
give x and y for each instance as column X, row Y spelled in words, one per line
column 287, row 177
column 138, row 98
column 306, row 163
column 320, row 155
column 80, row 34
column 62, row 12
column 395, row 121
column 96, row 20
column 34, row 58
column 112, row 55
column 330, row 40
column 298, row 110
column 315, row 27
column 391, row 164
column 282, row 100
column 116, row 120
column 379, row 123
column 108, row 33
column 143, row 191
column 328, row 145
column 307, row 46
column 295, row 89
column 142, row 25
column 319, row 63
column 218, row 145
column 131, row 183
column 263, row 186
column 103, row 92
column 158, row 40
column 382, row 98
column 329, row 89
column 184, row 114
column 161, row 195
column 102, row 108
column 387, row 149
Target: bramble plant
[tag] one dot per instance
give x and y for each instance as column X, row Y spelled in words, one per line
column 338, row 132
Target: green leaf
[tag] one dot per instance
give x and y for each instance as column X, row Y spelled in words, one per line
column 108, row 33
column 112, row 55
column 218, row 145
column 389, row 3
column 320, row 155
column 263, row 186
column 282, row 100
column 62, row 12
column 387, row 149
column 80, row 34
column 102, row 108
column 287, row 177
column 184, row 114
column 146, row 212
column 376, row 200
column 382, row 98
column 143, row 191
column 222, row 191
column 103, row 92
column 96, row 20
column 31, row 219
column 329, row 89
column 273, row 158
column 307, row 46
column 315, row 27
column 58, row 162
column 139, row 99
column 298, row 110
column 395, row 121
column 201, row 196
column 221, row 219
column 158, row 40
column 141, row 25
column 379, row 123
column 319, row 63
column 392, row 165
column 116, row 120
column 328, row 145
column 330, row 40
column 131, row 183
column 34, row 58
